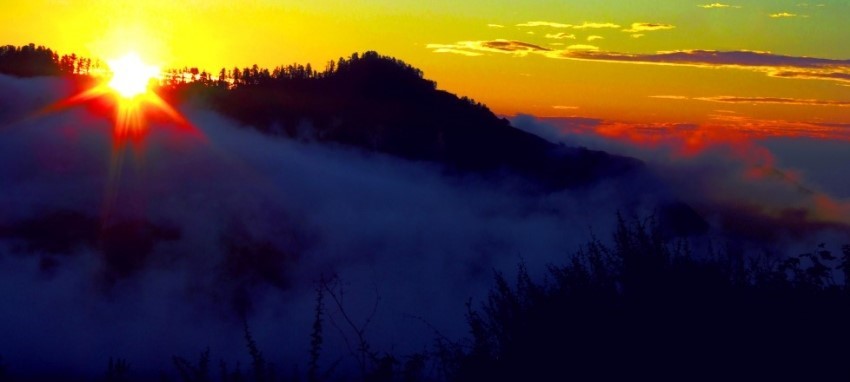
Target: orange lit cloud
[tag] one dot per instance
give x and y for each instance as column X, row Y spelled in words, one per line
column 761, row 100
column 721, row 129
column 735, row 167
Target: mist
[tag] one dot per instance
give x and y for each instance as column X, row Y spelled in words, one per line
column 144, row 251
column 168, row 246
column 777, row 193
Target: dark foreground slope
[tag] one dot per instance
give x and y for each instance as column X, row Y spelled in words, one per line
column 382, row 104
column 641, row 308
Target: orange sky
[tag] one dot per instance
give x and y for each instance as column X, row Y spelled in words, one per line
column 547, row 58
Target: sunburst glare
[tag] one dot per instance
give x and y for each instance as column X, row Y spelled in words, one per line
column 131, row 77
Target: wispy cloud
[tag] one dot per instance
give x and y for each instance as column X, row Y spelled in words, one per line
column 774, row 65
column 760, row 100
column 561, row 36
column 782, row 15
column 549, row 24
column 495, row 25
column 648, row 27
column 585, row 25
column 512, row 46
column 674, row 97
column 771, row 64
column 457, row 51
column 477, row 48
column 594, row 38
column 582, row 47
column 718, row 6
column 775, row 101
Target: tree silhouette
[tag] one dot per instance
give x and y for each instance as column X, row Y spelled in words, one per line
column 29, row 61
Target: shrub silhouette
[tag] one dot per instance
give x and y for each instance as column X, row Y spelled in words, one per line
column 117, row 370
column 646, row 308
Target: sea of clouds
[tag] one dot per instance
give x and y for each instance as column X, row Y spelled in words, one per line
column 169, row 245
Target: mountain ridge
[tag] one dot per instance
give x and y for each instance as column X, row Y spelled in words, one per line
column 381, row 104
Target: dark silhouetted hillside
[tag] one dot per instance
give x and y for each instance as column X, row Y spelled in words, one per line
column 370, row 101
column 382, row 104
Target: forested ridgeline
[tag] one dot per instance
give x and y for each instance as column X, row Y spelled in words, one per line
column 370, row 101
column 31, row 61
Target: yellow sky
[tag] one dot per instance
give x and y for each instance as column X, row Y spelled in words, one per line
column 213, row 34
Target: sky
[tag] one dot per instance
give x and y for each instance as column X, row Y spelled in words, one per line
column 739, row 109
column 546, row 58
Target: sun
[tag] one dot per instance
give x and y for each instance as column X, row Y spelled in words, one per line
column 130, row 75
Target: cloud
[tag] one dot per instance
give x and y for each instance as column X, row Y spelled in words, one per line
column 584, row 25
column 457, row 51
column 718, row 6
column 782, row 15
column 425, row 241
column 473, row 48
column 544, row 24
column 761, row 100
column 638, row 35
column 774, row 65
column 587, row 25
column 246, row 206
column 512, row 46
column 723, row 171
column 594, row 38
column 560, row 36
column 815, row 169
column 675, row 97
column 582, row 47
column 648, row 27
column 841, row 75
column 495, row 25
